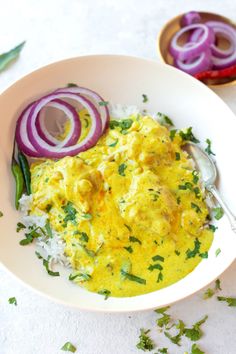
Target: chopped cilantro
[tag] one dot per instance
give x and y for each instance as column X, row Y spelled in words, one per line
column 212, row 227
column 165, row 120
column 172, row 134
column 103, row 103
column 114, row 123
column 121, row 169
column 70, row 212
column 177, row 252
column 160, row 277
column 195, row 332
column 203, row 255
column 114, row 144
column 90, row 253
column 12, row 301
column 218, row 213
column 165, row 319
column 145, row 98
column 71, row 84
column 129, row 249
column 217, row 252
column 187, row 135
column 1, row 214
column 195, row 251
column 81, row 276
column 49, row 271
column 217, row 284
column 231, row 301
column 20, row 226
column 30, row 236
column 132, row 277
column 162, row 309
column 38, row 255
column 105, row 292
column 122, row 124
column 163, row 351
column 128, row 227
column 145, row 342
column 208, row 293
column 195, row 176
column 158, row 258
column 134, row 239
column 87, row 216
column 68, row 347
column 84, row 237
column 178, row 200
column 196, row 207
column 177, row 156
column 195, row 350
column 155, row 266
column 208, row 148
column 48, row 208
column 48, row 229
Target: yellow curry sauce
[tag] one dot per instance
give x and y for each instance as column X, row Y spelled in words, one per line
column 130, row 209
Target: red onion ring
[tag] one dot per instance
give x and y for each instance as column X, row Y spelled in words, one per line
column 105, row 117
column 21, row 136
column 190, row 18
column 58, row 151
column 192, row 67
column 75, row 130
column 186, row 53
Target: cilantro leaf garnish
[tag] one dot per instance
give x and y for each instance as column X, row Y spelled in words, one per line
column 195, row 176
column 187, row 135
column 1, row 214
column 195, row 350
column 103, row 103
column 158, row 258
column 84, row 237
column 132, row 277
column 68, row 347
column 212, row 227
column 208, row 148
column 114, row 144
column 71, row 84
column 129, row 249
column 196, row 207
column 121, row 169
column 81, row 276
column 145, row 342
column 172, row 134
column 218, row 213
column 195, row 251
column 12, row 301
column 70, row 212
column 165, row 120
column 195, row 332
column 49, row 271
column 20, row 226
column 134, row 239
column 231, row 301
column 145, row 98
column 155, row 266
column 163, row 351
column 177, row 156
column 87, row 216
column 105, row 292
column 217, row 252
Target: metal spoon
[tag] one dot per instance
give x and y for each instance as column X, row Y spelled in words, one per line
column 206, row 166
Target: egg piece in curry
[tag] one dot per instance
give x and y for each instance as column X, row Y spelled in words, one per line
column 131, row 209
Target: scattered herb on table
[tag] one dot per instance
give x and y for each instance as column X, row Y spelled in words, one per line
column 195, row 333
column 1, row 214
column 145, row 98
column 145, row 342
column 176, row 339
column 163, row 351
column 208, row 148
column 8, row 57
column 68, row 347
column 231, row 301
column 196, row 350
column 12, row 301
column 165, row 319
column 105, row 292
column 218, row 213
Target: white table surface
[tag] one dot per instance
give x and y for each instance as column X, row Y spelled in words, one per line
column 57, row 29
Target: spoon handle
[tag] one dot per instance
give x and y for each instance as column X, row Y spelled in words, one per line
column 228, row 212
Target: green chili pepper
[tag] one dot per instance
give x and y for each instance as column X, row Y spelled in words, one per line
column 19, row 181
column 24, row 165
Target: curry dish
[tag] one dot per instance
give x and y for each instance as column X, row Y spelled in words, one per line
column 131, row 209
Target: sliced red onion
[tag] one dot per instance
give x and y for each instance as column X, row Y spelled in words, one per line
column 72, row 115
column 190, row 18
column 21, row 136
column 194, row 66
column 103, row 109
column 186, row 53
column 58, row 151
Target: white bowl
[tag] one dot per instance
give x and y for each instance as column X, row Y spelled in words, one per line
column 121, row 79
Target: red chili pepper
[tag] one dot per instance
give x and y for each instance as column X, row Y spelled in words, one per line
column 216, row 74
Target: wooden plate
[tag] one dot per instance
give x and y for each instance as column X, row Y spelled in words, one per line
column 173, row 26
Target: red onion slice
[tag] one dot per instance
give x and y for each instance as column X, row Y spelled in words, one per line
column 21, row 137
column 103, row 109
column 187, row 53
column 72, row 115
column 58, row 151
column 190, row 18
column 194, row 66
